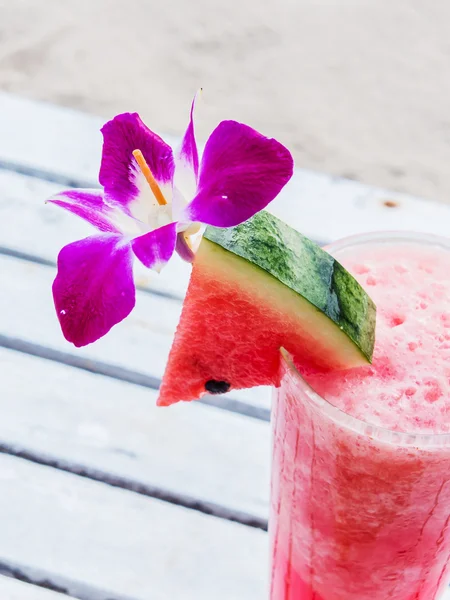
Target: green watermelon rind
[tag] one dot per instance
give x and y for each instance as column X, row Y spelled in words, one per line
column 305, row 268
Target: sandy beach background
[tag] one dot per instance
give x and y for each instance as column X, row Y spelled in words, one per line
column 355, row 88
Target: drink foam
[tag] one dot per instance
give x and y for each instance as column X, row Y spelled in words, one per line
column 407, row 387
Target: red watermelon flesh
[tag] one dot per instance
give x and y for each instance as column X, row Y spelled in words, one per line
column 235, row 318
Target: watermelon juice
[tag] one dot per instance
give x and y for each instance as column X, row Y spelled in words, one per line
column 361, row 465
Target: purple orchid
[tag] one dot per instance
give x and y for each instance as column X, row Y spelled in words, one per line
column 149, row 205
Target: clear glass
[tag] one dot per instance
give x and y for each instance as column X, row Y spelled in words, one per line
column 358, row 512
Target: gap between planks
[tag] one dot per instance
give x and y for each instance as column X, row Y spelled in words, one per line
column 175, row 498
column 127, row 375
column 49, row 176
column 41, row 260
column 26, row 583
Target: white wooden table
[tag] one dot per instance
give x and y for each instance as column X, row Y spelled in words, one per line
column 102, row 495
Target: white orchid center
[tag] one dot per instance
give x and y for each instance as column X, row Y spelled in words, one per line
column 152, row 208
column 162, row 212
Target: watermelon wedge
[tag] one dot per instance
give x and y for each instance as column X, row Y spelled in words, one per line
column 254, row 289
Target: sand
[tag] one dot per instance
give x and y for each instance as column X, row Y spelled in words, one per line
column 355, row 88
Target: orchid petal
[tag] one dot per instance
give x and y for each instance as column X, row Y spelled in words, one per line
column 90, row 205
column 186, row 159
column 120, row 175
column 94, row 287
column 183, row 249
column 154, row 249
column 240, row 173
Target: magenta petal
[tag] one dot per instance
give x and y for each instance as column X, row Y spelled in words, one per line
column 119, row 172
column 240, row 173
column 90, row 206
column 186, row 162
column 188, row 150
column 94, row 287
column 154, row 249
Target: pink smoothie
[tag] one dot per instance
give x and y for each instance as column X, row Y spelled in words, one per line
column 359, row 513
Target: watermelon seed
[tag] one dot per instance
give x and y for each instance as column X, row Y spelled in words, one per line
column 217, row 387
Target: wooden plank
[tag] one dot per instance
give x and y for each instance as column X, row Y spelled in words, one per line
column 123, row 542
column 54, row 139
column 67, row 143
column 140, row 343
column 189, row 449
column 12, row 589
column 328, row 208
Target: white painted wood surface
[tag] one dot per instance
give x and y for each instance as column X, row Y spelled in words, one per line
column 12, row 589
column 48, row 137
column 87, row 531
column 116, row 540
column 68, row 143
column 327, row 208
column 113, row 539
column 78, row 417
